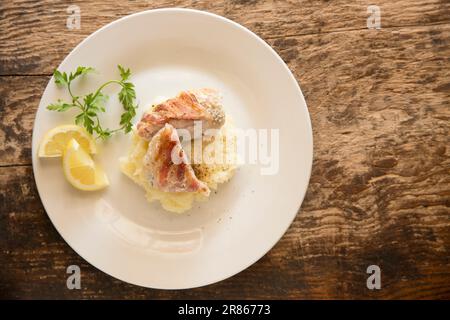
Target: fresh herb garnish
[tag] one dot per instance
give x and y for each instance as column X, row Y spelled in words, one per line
column 92, row 104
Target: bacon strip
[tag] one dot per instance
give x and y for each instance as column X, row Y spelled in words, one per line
column 181, row 112
column 167, row 165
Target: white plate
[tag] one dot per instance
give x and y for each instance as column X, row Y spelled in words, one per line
column 117, row 230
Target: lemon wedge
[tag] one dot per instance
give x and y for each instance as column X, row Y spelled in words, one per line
column 81, row 170
column 56, row 140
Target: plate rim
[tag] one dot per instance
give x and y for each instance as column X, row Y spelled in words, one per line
column 280, row 61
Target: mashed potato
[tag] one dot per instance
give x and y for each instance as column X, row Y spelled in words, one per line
column 218, row 163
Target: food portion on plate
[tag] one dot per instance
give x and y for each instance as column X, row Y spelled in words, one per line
column 91, row 105
column 182, row 148
column 182, row 112
column 81, row 170
column 161, row 170
column 74, row 145
column 55, row 141
column 75, row 142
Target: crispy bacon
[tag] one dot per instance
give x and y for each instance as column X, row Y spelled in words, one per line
column 167, row 165
column 181, row 112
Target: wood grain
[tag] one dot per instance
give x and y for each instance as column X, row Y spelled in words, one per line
column 380, row 188
column 34, row 37
column 19, row 99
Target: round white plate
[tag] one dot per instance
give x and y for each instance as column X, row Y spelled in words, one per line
column 117, row 230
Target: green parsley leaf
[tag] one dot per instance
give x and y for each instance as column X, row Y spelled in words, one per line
column 60, row 106
column 79, row 72
column 100, row 102
column 92, row 104
column 124, row 73
column 79, row 119
column 60, row 78
column 104, row 134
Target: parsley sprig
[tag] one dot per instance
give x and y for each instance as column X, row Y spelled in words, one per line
column 92, row 104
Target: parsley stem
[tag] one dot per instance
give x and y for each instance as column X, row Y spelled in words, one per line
column 70, row 90
column 90, row 107
column 74, row 99
column 104, row 85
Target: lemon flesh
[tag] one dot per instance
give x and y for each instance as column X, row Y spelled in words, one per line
column 56, row 140
column 81, row 170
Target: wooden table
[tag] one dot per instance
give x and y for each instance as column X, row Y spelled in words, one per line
column 380, row 188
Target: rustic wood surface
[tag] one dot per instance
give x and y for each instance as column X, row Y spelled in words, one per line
column 380, row 188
